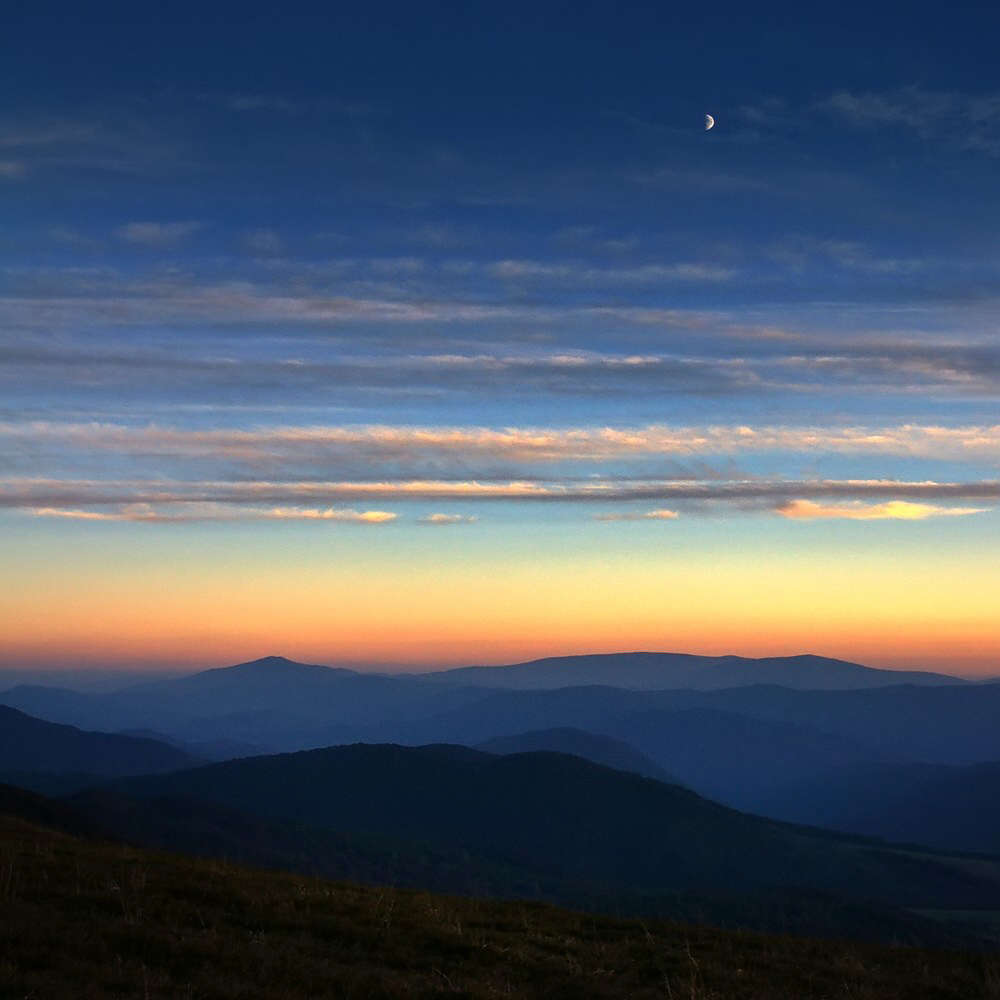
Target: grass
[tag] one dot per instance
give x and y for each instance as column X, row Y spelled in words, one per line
column 95, row 921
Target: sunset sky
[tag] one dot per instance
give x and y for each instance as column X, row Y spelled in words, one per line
column 431, row 333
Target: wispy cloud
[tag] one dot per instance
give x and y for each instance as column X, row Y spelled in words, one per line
column 120, row 142
column 108, row 321
column 966, row 121
column 879, row 366
column 248, row 103
column 241, row 304
column 360, row 517
column 194, row 512
column 11, row 170
column 800, row 253
column 892, row 510
column 583, row 274
column 157, row 235
column 563, row 373
column 264, row 243
column 201, row 500
column 443, row 520
column 646, row 515
column 276, row 447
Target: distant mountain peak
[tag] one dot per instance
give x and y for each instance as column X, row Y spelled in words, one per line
column 275, row 661
column 266, row 670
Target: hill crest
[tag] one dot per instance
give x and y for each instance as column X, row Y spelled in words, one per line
column 653, row 670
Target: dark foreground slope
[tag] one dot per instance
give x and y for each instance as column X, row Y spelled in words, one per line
column 574, row 819
column 92, row 921
column 204, row 829
column 37, row 809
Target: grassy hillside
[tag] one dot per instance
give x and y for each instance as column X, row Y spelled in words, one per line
column 205, row 830
column 96, row 921
column 573, row 818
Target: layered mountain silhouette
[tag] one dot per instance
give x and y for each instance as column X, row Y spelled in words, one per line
column 33, row 745
column 268, row 704
column 276, row 703
column 590, row 746
column 947, row 724
column 564, row 790
column 955, row 808
column 577, row 820
column 747, row 763
column 657, row 671
column 753, row 746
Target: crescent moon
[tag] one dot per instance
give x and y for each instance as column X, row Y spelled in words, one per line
column 709, row 122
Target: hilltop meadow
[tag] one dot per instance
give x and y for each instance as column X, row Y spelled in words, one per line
column 85, row 918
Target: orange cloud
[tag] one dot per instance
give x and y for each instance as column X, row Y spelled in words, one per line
column 275, row 445
column 648, row 515
column 211, row 512
column 893, row 510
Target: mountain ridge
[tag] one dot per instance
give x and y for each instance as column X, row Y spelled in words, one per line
column 31, row 744
column 573, row 817
column 663, row 670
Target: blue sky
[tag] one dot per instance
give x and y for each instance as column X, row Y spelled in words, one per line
column 362, row 270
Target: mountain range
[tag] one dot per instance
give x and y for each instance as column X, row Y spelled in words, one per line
column 33, row 745
column 905, row 761
column 658, row 671
column 594, row 747
column 574, row 831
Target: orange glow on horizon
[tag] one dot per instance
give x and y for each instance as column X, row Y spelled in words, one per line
column 973, row 653
column 427, row 606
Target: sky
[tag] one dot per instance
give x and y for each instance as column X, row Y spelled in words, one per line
column 405, row 335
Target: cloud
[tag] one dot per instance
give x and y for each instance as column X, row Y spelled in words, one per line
column 262, row 499
column 157, row 235
column 965, row 121
column 648, row 515
column 397, row 288
column 147, row 513
column 249, row 103
column 119, row 142
column 234, row 304
column 69, row 236
column 11, row 170
column 276, row 332
column 801, row 254
column 892, row 510
column 564, row 374
column 446, row 519
column 582, row 274
column 904, row 366
column 264, row 243
column 282, row 448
